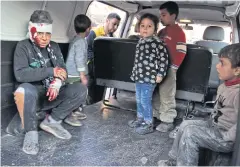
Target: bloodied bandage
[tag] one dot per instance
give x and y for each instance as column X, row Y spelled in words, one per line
column 33, row 28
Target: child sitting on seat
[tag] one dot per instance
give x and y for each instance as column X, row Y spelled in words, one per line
column 219, row 132
column 150, row 67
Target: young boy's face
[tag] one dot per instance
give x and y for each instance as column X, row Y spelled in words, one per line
column 146, row 28
column 225, row 70
column 112, row 25
column 166, row 18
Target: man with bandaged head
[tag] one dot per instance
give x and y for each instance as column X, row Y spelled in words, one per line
column 40, row 70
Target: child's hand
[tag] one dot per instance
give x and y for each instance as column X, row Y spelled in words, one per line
column 159, row 79
column 84, row 79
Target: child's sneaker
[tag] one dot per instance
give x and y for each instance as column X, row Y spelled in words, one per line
column 144, row 128
column 78, row 114
column 73, row 121
column 135, row 123
column 170, row 162
column 173, row 133
column 165, row 127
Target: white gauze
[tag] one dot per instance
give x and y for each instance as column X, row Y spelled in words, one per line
column 33, row 28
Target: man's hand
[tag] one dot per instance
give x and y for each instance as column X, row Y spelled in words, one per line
column 60, row 73
column 53, row 89
column 84, row 79
column 159, row 79
column 52, row 93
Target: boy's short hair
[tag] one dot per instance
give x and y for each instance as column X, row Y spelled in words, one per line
column 152, row 17
column 231, row 52
column 41, row 16
column 114, row 16
column 171, row 7
column 81, row 23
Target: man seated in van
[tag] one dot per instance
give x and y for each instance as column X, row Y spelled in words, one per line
column 218, row 133
column 107, row 30
column 40, row 69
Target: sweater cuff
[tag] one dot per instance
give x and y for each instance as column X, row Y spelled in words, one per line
column 81, row 69
column 175, row 67
column 50, row 72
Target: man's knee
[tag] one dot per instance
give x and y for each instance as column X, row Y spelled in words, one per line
column 24, row 95
column 28, row 90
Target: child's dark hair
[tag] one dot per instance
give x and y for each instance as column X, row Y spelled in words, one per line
column 152, row 17
column 231, row 52
column 114, row 16
column 81, row 23
column 171, row 7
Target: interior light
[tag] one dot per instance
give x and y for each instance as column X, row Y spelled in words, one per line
column 185, row 21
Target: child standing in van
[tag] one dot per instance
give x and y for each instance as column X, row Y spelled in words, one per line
column 175, row 41
column 150, row 67
column 77, row 58
column 219, row 132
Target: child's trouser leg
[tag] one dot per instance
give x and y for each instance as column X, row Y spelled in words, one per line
column 174, row 151
column 195, row 136
column 138, row 100
column 146, row 101
column 167, row 92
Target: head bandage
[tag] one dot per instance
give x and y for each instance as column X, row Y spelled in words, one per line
column 33, row 28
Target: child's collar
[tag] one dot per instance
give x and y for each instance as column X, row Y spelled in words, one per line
column 233, row 82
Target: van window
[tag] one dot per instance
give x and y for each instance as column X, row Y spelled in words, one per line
column 98, row 13
column 196, row 34
column 132, row 28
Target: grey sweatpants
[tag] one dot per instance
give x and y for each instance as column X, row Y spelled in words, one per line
column 195, row 134
column 164, row 103
column 29, row 99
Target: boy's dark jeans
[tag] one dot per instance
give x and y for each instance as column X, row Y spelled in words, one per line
column 29, row 98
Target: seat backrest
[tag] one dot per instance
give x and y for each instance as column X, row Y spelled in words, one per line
column 113, row 60
column 193, row 74
column 212, row 38
column 214, row 81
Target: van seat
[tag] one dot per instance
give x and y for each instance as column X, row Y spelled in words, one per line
column 212, row 38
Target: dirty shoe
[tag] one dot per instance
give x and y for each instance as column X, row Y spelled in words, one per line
column 30, row 143
column 144, row 128
column 72, row 120
column 55, row 128
column 170, row 162
column 135, row 123
column 173, row 133
column 165, row 127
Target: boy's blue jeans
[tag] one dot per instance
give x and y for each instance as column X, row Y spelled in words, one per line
column 144, row 94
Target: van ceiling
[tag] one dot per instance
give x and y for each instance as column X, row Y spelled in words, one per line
column 216, row 3
column 198, row 11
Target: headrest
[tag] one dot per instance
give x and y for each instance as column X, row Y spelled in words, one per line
column 214, row 33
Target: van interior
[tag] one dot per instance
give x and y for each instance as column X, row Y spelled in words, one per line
column 105, row 139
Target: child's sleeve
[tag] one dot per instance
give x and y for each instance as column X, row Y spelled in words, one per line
column 181, row 50
column 163, row 60
column 80, row 49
